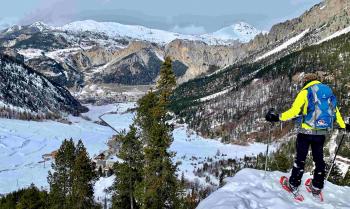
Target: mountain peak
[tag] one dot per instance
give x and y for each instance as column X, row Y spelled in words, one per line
column 239, row 31
column 41, row 26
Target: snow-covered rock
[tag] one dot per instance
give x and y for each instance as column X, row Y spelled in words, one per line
column 249, row 189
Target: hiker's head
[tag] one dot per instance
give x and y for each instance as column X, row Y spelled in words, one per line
column 308, row 77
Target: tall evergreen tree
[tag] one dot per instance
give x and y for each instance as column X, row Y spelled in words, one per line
column 71, row 182
column 129, row 172
column 161, row 187
column 61, row 180
column 166, row 84
column 83, row 177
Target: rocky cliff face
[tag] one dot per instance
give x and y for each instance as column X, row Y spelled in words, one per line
column 201, row 58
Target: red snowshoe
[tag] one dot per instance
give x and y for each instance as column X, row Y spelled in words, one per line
column 293, row 191
column 317, row 193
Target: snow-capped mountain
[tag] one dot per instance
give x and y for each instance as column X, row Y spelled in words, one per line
column 41, row 26
column 241, row 32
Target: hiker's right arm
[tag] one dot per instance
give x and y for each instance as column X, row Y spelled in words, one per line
column 296, row 108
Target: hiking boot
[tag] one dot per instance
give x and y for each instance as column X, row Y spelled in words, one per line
column 316, row 192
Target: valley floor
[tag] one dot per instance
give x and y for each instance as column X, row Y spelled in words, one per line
column 22, row 144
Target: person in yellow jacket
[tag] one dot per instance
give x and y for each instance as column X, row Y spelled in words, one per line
column 310, row 133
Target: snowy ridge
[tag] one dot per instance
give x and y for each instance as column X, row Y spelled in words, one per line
column 248, row 189
column 283, row 46
column 242, row 32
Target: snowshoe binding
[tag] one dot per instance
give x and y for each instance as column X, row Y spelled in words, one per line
column 316, row 193
column 291, row 189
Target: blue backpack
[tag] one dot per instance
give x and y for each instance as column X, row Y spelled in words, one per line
column 321, row 107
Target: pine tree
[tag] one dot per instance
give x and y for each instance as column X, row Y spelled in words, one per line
column 61, row 180
column 28, row 198
column 71, row 182
column 83, row 177
column 32, row 198
column 280, row 161
column 335, row 176
column 166, row 84
column 129, row 172
column 161, row 187
column 346, row 180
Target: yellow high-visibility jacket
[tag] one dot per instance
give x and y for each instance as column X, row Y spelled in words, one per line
column 300, row 102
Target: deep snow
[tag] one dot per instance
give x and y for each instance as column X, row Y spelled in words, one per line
column 248, row 189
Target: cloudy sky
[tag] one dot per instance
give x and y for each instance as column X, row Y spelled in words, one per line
column 186, row 16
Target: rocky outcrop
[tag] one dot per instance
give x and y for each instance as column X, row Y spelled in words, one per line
column 138, row 68
column 201, row 58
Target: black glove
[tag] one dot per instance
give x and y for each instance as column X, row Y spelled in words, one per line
column 271, row 116
column 347, row 127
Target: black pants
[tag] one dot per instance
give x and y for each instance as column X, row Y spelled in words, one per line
column 304, row 141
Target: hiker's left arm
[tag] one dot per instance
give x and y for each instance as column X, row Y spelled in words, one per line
column 339, row 119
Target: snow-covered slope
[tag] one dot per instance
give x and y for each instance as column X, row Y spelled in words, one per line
column 248, row 189
column 283, row 46
column 242, row 32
